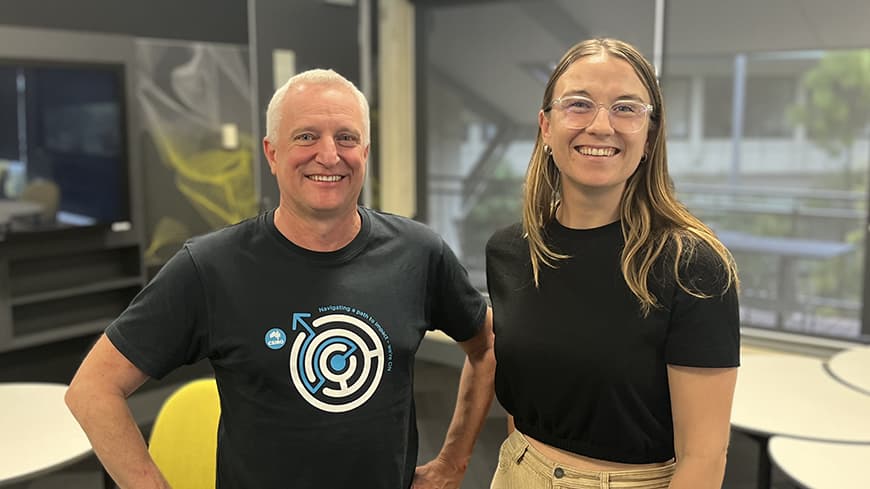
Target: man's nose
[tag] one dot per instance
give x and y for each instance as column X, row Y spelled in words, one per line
column 600, row 123
column 327, row 152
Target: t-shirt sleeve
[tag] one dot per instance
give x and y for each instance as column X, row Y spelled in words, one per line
column 458, row 308
column 165, row 325
column 704, row 332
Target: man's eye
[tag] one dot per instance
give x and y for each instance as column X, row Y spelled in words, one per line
column 305, row 138
column 347, row 140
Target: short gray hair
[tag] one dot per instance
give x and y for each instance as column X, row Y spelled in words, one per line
column 315, row 77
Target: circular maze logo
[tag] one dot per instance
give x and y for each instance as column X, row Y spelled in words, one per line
column 336, row 363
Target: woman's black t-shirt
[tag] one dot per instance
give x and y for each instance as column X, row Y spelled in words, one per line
column 578, row 365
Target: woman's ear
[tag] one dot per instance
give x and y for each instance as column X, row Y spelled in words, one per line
column 544, row 124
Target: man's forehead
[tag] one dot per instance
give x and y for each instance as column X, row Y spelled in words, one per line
column 321, row 96
column 305, row 90
column 321, row 107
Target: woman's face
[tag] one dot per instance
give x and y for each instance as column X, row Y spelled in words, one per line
column 597, row 159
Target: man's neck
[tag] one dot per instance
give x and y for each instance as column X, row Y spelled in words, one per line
column 318, row 233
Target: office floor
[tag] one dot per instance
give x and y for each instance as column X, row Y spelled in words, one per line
column 435, row 390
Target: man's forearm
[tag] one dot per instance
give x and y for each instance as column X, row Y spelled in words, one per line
column 472, row 406
column 116, row 440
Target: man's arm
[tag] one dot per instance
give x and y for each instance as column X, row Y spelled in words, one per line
column 476, row 389
column 97, row 397
column 701, row 405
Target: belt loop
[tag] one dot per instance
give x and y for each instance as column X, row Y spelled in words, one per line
column 519, row 439
column 604, row 477
column 519, row 457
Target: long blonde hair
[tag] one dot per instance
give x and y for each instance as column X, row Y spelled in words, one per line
column 651, row 215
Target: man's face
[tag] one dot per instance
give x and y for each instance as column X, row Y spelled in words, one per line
column 319, row 156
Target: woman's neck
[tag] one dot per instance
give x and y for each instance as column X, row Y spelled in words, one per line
column 584, row 213
column 589, row 207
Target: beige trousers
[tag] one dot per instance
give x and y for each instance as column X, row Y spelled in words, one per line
column 521, row 466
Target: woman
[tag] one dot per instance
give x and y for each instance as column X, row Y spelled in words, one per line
column 616, row 314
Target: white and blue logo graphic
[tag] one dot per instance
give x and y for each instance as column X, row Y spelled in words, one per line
column 337, row 361
column 276, row 338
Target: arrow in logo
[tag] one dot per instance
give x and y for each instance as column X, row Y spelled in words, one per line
column 297, row 320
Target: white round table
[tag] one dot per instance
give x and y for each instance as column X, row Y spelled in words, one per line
column 795, row 396
column 821, row 464
column 38, row 434
column 852, row 367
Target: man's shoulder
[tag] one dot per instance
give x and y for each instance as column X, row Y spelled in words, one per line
column 225, row 238
column 402, row 227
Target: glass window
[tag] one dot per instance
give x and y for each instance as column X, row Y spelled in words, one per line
column 788, row 195
column 794, row 177
column 485, row 67
column 9, row 113
column 677, row 94
column 768, row 101
column 718, row 102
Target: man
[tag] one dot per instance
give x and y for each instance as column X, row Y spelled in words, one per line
column 310, row 316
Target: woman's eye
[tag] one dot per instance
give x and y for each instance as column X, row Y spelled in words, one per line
column 580, row 105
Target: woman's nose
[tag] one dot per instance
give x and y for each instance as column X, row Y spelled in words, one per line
column 600, row 122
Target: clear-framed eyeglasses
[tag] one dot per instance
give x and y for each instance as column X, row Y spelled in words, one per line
column 625, row 116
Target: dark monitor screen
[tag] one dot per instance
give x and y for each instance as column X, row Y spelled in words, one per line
column 63, row 151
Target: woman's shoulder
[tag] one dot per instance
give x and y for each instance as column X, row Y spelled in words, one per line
column 704, row 264
column 507, row 259
column 697, row 249
column 507, row 238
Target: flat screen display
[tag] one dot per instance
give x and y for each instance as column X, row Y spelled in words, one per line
column 63, row 148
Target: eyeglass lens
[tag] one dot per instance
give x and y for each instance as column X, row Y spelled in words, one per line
column 624, row 115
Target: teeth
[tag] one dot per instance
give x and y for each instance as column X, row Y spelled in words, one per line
column 597, row 151
column 325, row 178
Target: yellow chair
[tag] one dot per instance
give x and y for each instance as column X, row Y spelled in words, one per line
column 183, row 440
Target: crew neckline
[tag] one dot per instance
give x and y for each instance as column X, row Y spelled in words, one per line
column 341, row 255
column 560, row 228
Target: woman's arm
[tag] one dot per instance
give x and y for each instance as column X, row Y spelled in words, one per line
column 701, row 407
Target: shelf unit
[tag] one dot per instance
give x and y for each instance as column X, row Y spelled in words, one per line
column 60, row 288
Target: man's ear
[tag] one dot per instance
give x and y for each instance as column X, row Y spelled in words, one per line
column 269, row 150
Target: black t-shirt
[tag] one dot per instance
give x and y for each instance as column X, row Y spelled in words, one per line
column 578, row 366
column 313, row 352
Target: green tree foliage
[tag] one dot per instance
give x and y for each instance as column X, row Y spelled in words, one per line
column 837, row 108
